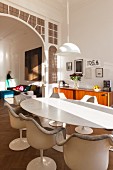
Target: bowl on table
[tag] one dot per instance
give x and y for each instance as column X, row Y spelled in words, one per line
column 97, row 90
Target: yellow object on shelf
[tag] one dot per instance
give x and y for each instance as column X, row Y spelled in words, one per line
column 96, row 88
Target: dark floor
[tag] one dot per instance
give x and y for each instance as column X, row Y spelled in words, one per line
column 18, row 160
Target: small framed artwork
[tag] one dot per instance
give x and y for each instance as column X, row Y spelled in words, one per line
column 88, row 73
column 99, row 72
column 78, row 66
column 69, row 66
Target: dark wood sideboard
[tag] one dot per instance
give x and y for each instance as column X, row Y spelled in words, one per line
column 104, row 98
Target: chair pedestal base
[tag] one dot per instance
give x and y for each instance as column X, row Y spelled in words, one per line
column 58, row 148
column 59, row 137
column 48, row 164
column 55, row 123
column 19, row 144
column 84, row 130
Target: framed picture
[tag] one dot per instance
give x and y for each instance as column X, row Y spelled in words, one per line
column 69, row 66
column 88, row 73
column 99, row 72
column 78, row 66
column 33, row 64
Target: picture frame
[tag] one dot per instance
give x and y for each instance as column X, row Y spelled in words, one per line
column 99, row 72
column 88, row 73
column 69, row 66
column 78, row 66
column 33, row 64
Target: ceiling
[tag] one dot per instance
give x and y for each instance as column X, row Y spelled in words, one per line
column 76, row 3
column 57, row 4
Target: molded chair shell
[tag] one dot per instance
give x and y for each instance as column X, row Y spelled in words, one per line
column 87, row 152
column 19, row 98
column 20, row 143
column 40, row 138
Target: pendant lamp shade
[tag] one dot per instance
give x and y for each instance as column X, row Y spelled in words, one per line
column 67, row 48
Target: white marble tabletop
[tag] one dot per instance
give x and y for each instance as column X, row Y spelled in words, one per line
column 71, row 112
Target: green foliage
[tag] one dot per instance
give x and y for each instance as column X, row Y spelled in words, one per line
column 76, row 76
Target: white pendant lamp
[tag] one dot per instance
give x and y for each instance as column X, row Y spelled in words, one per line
column 67, row 48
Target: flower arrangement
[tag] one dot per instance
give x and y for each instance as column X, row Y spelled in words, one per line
column 76, row 76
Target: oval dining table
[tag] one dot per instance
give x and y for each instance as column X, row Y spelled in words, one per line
column 74, row 112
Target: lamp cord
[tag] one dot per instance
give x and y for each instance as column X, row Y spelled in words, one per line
column 67, row 21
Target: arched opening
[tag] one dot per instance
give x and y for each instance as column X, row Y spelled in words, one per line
column 16, row 37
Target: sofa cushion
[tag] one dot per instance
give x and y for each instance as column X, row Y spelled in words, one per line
column 33, row 87
column 38, row 91
column 27, row 88
column 19, row 88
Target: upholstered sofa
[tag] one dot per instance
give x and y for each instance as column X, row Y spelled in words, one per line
column 24, row 88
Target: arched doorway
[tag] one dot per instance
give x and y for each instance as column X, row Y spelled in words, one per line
column 16, row 37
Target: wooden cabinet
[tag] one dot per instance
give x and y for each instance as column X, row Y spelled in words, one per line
column 104, row 98
column 68, row 92
column 79, row 94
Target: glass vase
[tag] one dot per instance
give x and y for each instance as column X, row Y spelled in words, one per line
column 76, row 84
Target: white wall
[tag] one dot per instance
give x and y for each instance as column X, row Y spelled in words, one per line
column 29, row 42
column 91, row 28
column 3, row 58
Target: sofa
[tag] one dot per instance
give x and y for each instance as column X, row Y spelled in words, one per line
column 24, row 88
column 6, row 94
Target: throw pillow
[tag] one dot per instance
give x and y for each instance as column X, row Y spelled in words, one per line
column 21, row 88
column 33, row 87
column 27, row 88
